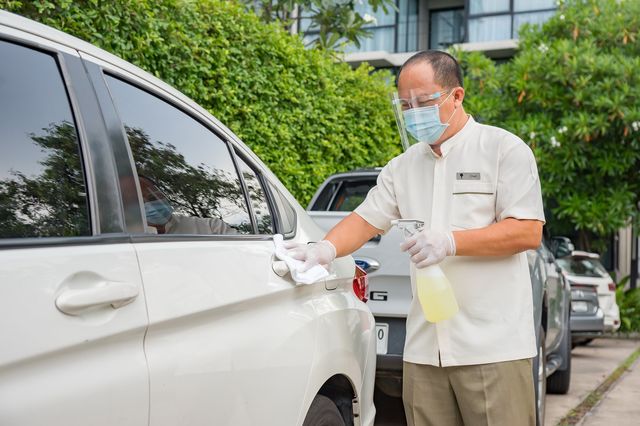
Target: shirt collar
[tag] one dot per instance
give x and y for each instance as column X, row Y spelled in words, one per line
column 446, row 146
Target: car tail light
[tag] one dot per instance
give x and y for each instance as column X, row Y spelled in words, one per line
column 361, row 284
column 612, row 287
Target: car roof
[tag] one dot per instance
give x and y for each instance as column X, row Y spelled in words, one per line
column 365, row 172
column 584, row 254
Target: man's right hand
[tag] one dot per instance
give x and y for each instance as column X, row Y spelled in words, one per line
column 320, row 253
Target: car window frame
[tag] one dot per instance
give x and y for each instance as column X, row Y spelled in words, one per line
column 165, row 96
column 270, row 187
column 341, row 181
column 273, row 209
column 70, row 67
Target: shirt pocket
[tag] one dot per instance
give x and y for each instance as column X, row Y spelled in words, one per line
column 473, row 204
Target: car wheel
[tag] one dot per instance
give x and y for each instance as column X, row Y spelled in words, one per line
column 539, row 377
column 323, row 412
column 559, row 381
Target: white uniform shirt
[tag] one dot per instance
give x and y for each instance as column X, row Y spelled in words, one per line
column 485, row 174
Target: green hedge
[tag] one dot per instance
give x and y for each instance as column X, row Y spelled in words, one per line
column 304, row 114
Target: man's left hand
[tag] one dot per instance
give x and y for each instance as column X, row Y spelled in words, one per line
column 429, row 247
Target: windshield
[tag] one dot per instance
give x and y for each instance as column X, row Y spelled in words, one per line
column 583, row 267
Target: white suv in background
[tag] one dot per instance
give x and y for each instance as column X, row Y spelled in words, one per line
column 137, row 260
column 584, row 269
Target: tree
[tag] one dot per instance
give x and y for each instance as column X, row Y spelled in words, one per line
column 51, row 202
column 572, row 92
column 576, row 86
column 305, row 115
column 197, row 191
column 337, row 22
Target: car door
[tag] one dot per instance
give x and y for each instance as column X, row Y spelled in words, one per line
column 556, row 298
column 72, row 308
column 229, row 341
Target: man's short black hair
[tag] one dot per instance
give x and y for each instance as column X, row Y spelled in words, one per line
column 446, row 69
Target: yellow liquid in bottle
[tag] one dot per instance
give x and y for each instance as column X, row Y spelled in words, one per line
column 436, row 296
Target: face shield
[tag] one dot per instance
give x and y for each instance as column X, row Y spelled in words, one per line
column 418, row 117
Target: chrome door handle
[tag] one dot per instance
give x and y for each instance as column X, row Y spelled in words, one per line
column 116, row 294
column 280, row 267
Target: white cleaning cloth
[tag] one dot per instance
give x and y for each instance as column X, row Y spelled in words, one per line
column 315, row 274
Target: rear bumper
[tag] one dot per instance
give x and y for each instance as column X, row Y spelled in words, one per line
column 612, row 318
column 389, row 365
column 593, row 323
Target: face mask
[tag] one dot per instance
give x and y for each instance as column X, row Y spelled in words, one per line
column 424, row 123
column 158, row 212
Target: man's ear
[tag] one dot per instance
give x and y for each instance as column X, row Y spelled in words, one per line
column 458, row 96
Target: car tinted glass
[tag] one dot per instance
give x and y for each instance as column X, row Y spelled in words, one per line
column 259, row 202
column 188, row 181
column 325, row 197
column 286, row 212
column 42, row 186
column 583, row 267
column 351, row 194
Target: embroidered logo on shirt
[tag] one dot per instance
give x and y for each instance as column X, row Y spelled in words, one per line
column 467, row 176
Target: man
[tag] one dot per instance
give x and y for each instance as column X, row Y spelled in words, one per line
column 161, row 217
column 476, row 188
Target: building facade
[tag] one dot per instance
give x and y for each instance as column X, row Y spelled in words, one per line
column 490, row 26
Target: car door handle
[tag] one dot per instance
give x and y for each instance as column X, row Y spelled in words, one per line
column 116, row 294
column 280, row 267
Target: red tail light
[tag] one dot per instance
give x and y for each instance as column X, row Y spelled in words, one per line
column 361, row 284
column 612, row 287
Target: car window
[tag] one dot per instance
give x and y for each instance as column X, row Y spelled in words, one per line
column 324, row 198
column 187, row 177
column 42, row 186
column 286, row 212
column 351, row 194
column 258, row 198
column 582, row 267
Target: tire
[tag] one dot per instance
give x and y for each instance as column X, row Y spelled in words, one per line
column 323, row 412
column 559, row 381
column 539, row 378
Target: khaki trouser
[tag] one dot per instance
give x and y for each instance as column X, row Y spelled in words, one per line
column 495, row 394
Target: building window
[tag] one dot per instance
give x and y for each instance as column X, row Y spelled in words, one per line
column 491, row 20
column 446, row 27
column 391, row 32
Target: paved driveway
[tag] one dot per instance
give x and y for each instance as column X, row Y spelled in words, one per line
column 592, row 364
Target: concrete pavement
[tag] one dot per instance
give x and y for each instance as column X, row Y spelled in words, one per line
column 621, row 405
column 591, row 365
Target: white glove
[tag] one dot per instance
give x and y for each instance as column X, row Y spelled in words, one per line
column 320, row 253
column 429, row 247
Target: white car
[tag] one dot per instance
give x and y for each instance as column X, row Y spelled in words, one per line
column 584, row 269
column 157, row 301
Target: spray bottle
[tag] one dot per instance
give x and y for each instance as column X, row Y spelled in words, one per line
column 434, row 290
